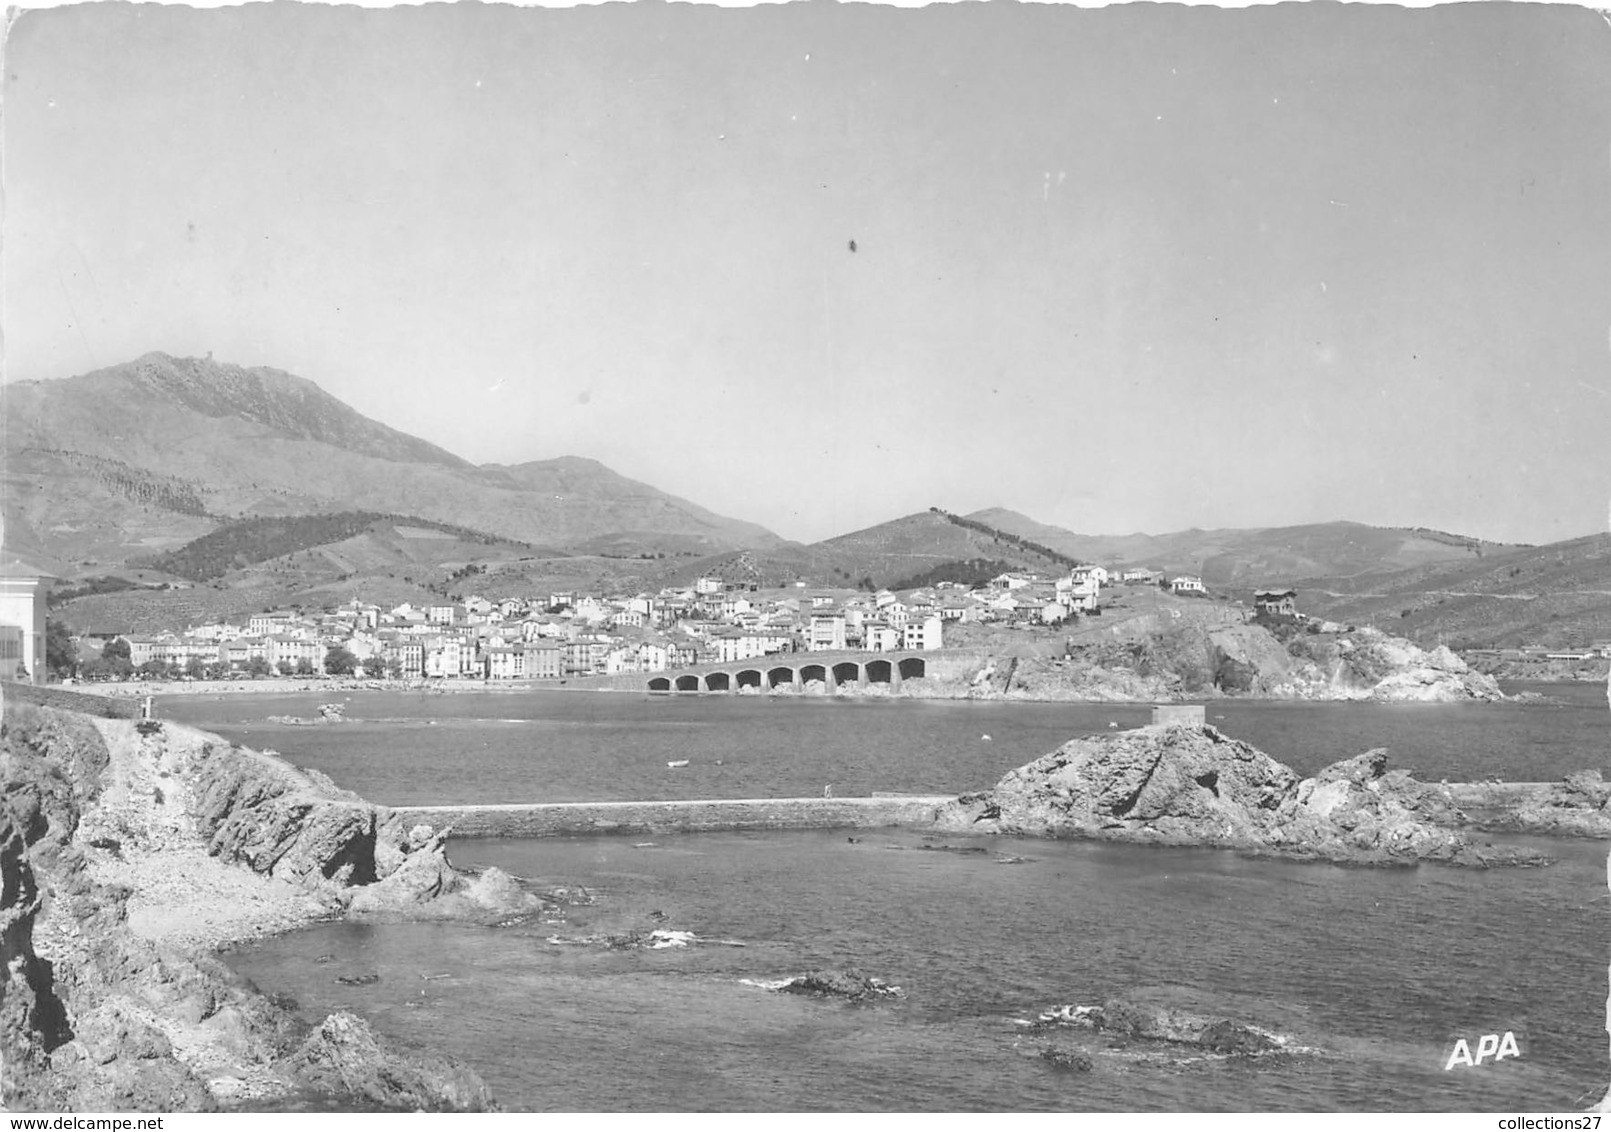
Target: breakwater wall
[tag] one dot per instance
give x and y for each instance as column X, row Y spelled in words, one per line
column 1498, row 806
column 550, row 819
column 1477, row 795
column 60, row 698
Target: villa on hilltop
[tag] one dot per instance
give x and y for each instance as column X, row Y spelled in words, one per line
column 1276, row 603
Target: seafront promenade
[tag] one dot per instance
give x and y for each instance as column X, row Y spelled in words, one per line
column 549, row 819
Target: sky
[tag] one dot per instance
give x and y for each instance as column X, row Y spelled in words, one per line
column 816, row 266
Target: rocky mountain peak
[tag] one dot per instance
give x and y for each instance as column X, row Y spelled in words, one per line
column 290, row 405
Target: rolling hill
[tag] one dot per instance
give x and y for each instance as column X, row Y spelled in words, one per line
column 882, row 555
column 1247, row 559
column 1558, row 596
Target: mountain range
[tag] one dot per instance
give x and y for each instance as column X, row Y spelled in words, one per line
column 149, row 454
column 251, row 486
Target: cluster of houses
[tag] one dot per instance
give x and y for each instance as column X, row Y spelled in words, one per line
column 561, row 635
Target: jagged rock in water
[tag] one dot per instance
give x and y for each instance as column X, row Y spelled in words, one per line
column 1179, row 784
column 1358, row 811
column 846, row 983
column 1190, row 785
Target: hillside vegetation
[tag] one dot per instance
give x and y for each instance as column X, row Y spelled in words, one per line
column 1557, row 596
column 1259, row 557
column 252, row 541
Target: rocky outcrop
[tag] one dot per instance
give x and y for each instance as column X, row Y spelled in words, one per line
column 342, row 1056
column 1576, row 806
column 1360, row 812
column 848, row 983
column 1193, row 786
column 299, row 827
column 106, row 1005
column 1154, row 660
column 1367, row 664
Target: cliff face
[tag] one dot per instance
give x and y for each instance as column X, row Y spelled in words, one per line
column 1183, row 785
column 298, row 828
column 1365, row 664
column 125, row 856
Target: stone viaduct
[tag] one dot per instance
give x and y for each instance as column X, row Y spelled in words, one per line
column 795, row 672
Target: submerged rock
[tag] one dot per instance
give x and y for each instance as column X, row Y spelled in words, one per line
column 1191, row 785
column 1067, row 1057
column 954, row 848
column 657, row 940
column 1123, row 1021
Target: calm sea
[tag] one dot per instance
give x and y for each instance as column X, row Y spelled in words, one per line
column 554, row 746
column 1375, row 973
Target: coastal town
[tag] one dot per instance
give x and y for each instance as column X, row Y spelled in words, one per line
column 561, row 635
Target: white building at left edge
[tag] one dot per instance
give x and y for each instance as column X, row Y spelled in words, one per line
column 23, row 589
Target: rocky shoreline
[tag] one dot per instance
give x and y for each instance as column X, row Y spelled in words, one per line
column 130, row 851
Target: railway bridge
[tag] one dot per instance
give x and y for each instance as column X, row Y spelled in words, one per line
column 771, row 673
column 840, row 671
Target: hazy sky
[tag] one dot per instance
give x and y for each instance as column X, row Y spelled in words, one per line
column 1140, row 268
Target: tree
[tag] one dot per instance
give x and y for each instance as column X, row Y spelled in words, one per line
column 195, row 668
column 339, row 662
column 117, row 649
column 257, row 667
column 304, row 667
column 286, row 668
column 154, row 669
column 61, row 651
column 219, row 670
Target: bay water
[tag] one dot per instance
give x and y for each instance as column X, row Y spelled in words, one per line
column 1372, row 974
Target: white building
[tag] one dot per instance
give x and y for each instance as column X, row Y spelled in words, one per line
column 880, row 638
column 23, row 589
column 922, row 635
column 827, row 632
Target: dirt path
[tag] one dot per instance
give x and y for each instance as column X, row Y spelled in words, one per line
column 139, row 834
